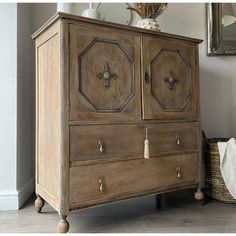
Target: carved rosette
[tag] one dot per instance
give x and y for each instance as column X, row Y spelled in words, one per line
column 106, row 76
column 171, row 79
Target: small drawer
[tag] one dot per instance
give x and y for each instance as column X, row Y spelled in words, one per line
column 115, row 180
column 171, row 138
column 97, row 142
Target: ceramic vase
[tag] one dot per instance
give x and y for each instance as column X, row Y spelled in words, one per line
column 148, row 23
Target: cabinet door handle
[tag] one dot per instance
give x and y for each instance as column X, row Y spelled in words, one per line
column 146, row 77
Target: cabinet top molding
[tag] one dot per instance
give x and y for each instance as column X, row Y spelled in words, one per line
column 61, row 15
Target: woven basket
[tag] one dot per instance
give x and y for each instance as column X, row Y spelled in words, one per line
column 214, row 183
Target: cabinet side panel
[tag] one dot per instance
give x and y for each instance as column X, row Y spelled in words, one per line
column 48, row 109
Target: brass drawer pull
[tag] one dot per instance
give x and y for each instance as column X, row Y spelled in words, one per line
column 101, row 145
column 178, row 141
column 178, row 172
column 101, row 184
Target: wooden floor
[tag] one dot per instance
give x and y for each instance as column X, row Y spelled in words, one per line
column 179, row 213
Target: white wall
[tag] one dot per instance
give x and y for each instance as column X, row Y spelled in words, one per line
column 16, row 126
column 29, row 18
column 8, row 71
column 25, row 124
column 41, row 12
column 17, row 102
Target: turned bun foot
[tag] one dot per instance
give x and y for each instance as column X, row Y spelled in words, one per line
column 39, row 203
column 63, row 225
column 199, row 196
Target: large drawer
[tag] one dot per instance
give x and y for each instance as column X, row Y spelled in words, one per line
column 115, row 180
column 99, row 142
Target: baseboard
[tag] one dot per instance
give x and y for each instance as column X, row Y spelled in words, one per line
column 13, row 199
column 9, row 200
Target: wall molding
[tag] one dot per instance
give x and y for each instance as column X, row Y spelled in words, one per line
column 14, row 199
column 9, row 200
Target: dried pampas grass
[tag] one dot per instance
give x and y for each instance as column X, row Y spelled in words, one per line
column 148, row 10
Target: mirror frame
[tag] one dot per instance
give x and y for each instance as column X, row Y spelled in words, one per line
column 215, row 43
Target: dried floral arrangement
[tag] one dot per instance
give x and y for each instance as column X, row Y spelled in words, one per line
column 148, row 10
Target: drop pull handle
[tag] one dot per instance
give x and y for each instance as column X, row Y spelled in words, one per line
column 101, row 145
column 146, row 77
column 178, row 140
column 178, row 172
column 101, row 184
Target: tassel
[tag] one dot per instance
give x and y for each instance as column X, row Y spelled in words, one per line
column 146, row 146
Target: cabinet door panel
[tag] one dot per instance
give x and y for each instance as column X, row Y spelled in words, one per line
column 104, row 74
column 169, row 82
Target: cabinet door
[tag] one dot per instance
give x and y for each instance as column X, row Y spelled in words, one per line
column 170, row 85
column 104, row 74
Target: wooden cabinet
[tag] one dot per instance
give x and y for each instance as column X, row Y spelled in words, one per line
column 101, row 90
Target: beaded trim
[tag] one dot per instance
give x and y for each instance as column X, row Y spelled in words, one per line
column 98, row 204
column 62, row 157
